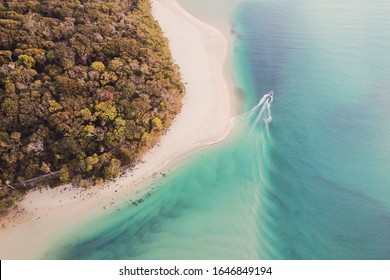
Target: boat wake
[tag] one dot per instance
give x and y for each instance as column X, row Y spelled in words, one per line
column 260, row 115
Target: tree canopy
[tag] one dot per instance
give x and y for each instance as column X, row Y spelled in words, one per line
column 86, row 86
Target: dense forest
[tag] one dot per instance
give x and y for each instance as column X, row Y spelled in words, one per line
column 86, row 87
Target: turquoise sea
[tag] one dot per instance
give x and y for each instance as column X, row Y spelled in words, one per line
column 313, row 183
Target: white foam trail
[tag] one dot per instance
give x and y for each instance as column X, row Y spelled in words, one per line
column 262, row 112
column 263, row 99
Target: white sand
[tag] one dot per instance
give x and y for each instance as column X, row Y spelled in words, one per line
column 200, row 51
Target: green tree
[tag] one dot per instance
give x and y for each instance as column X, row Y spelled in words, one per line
column 26, row 60
column 85, row 87
column 98, row 66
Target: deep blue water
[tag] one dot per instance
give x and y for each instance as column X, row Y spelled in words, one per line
column 314, row 185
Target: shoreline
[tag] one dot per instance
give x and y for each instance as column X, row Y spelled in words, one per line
column 201, row 52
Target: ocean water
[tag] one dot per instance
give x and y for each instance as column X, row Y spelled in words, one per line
column 313, row 183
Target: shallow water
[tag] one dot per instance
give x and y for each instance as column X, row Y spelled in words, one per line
column 314, row 185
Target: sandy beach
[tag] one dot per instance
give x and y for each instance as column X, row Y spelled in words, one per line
column 200, row 51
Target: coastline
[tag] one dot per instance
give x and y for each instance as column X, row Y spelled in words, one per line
column 200, row 51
